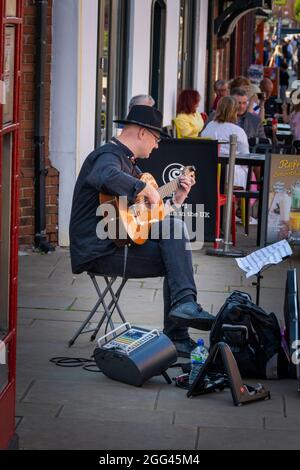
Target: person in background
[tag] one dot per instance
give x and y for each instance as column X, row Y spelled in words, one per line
column 188, row 122
column 251, row 123
column 266, row 86
column 256, row 104
column 145, row 100
column 137, row 100
column 267, row 50
column 277, row 57
column 241, row 82
column 288, row 52
column 221, row 89
column 293, row 119
column 222, row 127
column 295, row 56
column 238, row 82
column 284, row 81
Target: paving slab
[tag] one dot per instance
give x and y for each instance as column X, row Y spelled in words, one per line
column 215, row 418
column 46, row 302
column 91, row 388
column 27, row 315
column 119, row 413
column 290, row 423
column 88, row 434
column 247, row 439
column 34, row 409
column 75, row 409
column 176, row 399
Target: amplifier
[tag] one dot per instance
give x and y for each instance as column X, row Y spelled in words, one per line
column 133, row 354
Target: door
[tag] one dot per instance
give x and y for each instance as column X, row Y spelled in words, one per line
column 10, row 61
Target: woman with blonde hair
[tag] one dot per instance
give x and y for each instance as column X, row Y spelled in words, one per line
column 277, row 58
column 222, row 127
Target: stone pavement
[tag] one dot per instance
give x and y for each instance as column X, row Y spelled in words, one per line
column 60, row 408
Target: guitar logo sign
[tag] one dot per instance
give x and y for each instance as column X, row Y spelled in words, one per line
column 171, row 172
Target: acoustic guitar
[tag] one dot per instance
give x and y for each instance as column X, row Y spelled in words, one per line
column 128, row 224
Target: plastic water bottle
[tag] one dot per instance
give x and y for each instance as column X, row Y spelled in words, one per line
column 198, row 357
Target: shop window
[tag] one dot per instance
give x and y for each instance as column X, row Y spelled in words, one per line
column 112, row 66
column 11, row 8
column 9, row 63
column 157, row 56
column 5, row 197
column 186, row 49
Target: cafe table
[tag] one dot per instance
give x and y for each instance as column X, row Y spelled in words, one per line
column 262, row 161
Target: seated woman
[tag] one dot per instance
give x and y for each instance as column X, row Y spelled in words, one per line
column 293, row 119
column 188, row 122
column 222, row 127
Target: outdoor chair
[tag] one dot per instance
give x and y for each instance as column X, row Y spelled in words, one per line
column 221, row 202
column 296, row 147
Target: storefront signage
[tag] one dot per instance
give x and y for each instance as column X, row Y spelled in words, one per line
column 284, row 199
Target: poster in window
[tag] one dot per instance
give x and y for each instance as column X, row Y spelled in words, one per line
column 284, row 199
column 9, row 64
column 11, row 8
column 259, row 43
column 256, row 73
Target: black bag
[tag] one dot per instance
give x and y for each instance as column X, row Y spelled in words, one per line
column 253, row 336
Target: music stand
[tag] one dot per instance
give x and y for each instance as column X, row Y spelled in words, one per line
column 259, row 277
column 260, row 260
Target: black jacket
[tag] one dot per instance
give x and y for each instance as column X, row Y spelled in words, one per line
column 108, row 169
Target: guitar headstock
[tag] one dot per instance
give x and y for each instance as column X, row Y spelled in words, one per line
column 190, row 171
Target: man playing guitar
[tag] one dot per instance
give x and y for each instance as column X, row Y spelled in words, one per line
column 111, row 169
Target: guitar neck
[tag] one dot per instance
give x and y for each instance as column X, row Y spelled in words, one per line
column 168, row 188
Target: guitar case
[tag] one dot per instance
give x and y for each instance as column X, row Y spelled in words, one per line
column 292, row 323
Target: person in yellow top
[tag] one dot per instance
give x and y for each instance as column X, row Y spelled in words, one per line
column 188, row 122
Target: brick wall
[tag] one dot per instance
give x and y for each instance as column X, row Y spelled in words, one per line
column 27, row 229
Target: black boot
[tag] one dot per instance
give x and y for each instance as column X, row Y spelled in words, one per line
column 191, row 314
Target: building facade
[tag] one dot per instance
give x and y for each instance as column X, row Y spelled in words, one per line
column 99, row 54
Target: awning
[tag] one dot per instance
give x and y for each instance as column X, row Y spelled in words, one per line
column 227, row 21
column 286, row 31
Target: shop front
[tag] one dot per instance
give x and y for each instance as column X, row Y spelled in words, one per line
column 10, row 59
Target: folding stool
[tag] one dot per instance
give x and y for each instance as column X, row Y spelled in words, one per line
column 108, row 309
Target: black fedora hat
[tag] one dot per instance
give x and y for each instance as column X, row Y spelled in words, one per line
column 144, row 116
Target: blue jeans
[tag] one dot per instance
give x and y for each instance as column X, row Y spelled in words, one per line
column 170, row 258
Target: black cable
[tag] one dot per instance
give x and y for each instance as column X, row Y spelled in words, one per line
column 86, row 364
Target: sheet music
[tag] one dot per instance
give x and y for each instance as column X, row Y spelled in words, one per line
column 272, row 254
